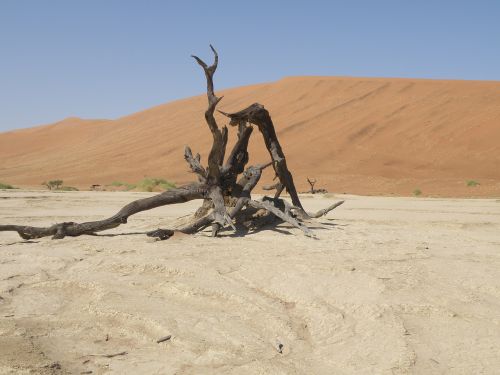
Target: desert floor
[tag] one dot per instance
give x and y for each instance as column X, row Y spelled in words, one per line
column 392, row 286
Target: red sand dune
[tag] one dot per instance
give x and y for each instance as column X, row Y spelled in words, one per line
column 354, row 135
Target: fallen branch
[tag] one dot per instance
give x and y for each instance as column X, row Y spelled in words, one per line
column 108, row 355
column 163, row 339
column 324, row 211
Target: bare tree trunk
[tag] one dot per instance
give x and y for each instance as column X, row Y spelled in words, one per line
column 311, row 182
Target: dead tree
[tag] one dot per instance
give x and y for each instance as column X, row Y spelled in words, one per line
column 224, row 187
column 311, row 182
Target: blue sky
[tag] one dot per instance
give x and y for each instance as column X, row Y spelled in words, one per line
column 109, row 58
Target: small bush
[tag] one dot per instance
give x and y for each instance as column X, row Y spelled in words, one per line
column 147, row 184
column 126, row 185
column 6, row 186
column 68, row 188
column 154, row 184
column 53, row 184
column 472, row 183
column 58, row 185
column 417, row 192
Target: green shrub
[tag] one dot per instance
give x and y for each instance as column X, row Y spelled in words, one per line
column 147, row 184
column 68, row 188
column 6, row 186
column 417, row 192
column 125, row 185
column 472, row 183
column 152, row 184
column 53, row 184
column 58, row 185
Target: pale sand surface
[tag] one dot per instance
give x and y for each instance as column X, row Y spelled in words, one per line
column 393, row 286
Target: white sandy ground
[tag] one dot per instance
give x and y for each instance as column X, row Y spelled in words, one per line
column 392, row 286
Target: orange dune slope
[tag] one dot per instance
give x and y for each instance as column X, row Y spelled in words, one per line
column 353, row 135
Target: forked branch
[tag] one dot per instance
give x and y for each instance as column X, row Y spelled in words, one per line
column 216, row 155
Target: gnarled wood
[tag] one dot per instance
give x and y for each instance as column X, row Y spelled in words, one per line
column 195, row 164
column 324, row 211
column 216, row 156
column 61, row 230
column 224, row 195
column 282, row 215
column 258, row 115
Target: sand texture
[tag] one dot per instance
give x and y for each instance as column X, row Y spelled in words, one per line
column 364, row 136
column 392, row 286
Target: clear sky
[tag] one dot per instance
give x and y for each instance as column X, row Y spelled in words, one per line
column 109, row 58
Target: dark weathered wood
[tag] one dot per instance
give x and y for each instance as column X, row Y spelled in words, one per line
column 216, row 155
column 71, row 229
column 161, row 234
column 163, row 339
column 204, row 209
column 195, row 164
column 108, row 355
column 248, row 181
column 256, row 114
column 225, row 188
column 238, row 158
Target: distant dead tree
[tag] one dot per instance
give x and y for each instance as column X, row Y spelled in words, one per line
column 224, row 186
column 311, row 182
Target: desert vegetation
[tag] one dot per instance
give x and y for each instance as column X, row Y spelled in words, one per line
column 124, row 185
column 53, row 184
column 68, row 188
column 4, row 186
column 154, row 184
column 58, row 185
column 149, row 184
column 472, row 183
